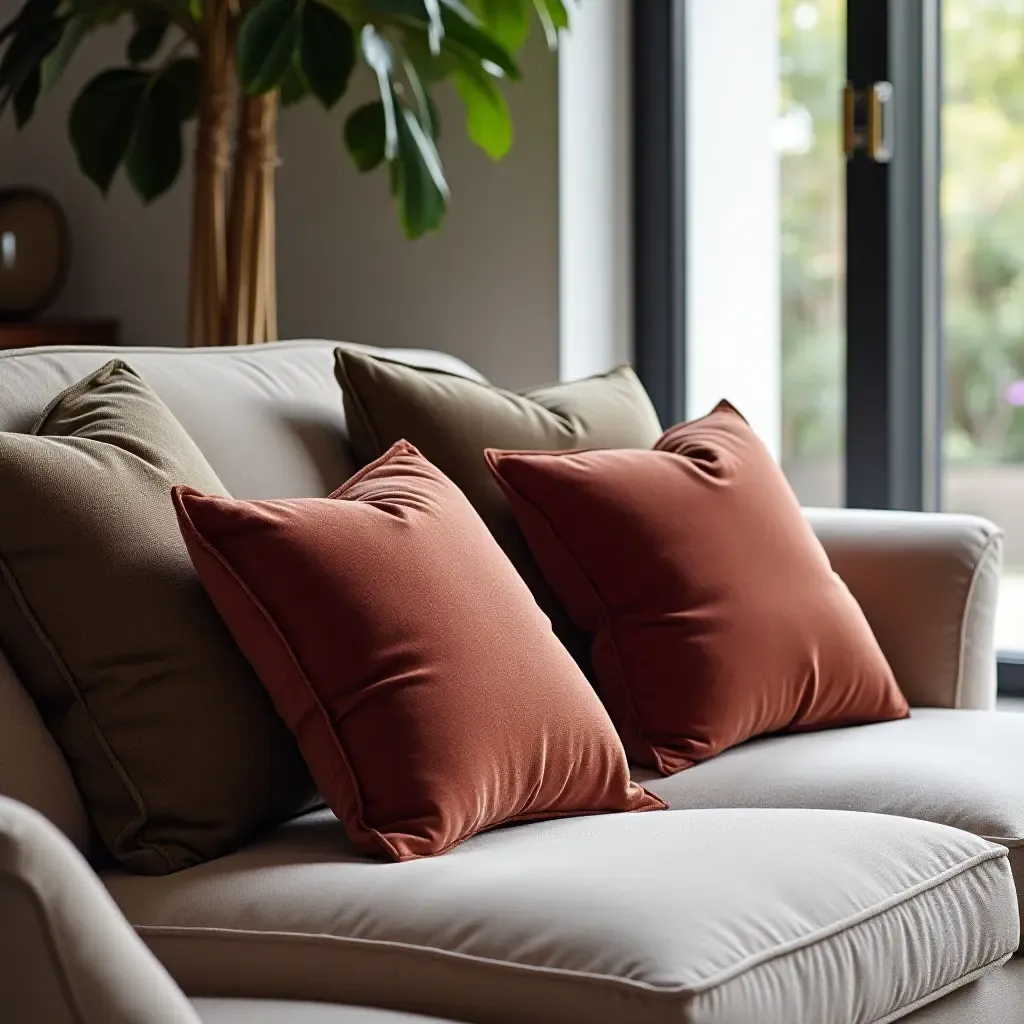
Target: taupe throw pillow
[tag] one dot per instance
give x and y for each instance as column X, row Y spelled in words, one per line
column 451, row 420
column 172, row 740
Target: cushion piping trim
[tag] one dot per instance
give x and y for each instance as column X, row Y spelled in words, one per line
column 668, row 991
column 251, row 350
column 1012, row 844
column 934, row 997
column 618, row 370
column 131, row 827
column 507, row 397
column 350, row 392
column 96, row 378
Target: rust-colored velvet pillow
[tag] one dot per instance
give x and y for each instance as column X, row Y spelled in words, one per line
column 428, row 694
column 714, row 613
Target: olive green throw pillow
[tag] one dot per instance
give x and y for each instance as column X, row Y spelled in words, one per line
column 451, row 420
column 173, row 742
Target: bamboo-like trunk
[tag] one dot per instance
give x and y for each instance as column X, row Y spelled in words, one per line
column 208, row 269
column 251, row 310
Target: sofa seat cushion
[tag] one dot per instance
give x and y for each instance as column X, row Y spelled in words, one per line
column 274, row 1011
column 716, row 917
column 954, row 767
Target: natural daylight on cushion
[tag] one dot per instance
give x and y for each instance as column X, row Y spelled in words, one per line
column 983, row 266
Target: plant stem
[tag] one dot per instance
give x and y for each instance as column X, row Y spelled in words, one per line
column 251, row 302
column 208, row 279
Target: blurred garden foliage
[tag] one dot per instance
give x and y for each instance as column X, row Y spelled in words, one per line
column 983, row 227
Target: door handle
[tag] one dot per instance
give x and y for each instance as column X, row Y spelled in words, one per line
column 868, row 121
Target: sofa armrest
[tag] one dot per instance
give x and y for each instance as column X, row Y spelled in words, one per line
column 67, row 955
column 928, row 584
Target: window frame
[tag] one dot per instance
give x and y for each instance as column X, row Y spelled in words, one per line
column 659, row 202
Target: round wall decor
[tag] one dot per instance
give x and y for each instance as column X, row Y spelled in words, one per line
column 35, row 249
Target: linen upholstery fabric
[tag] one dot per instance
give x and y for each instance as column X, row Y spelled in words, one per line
column 452, row 420
column 174, row 746
column 32, row 769
column 67, row 955
column 714, row 612
column 995, row 997
column 266, row 417
column 700, row 917
column 274, row 1011
column 956, row 768
column 928, row 585
column 428, row 694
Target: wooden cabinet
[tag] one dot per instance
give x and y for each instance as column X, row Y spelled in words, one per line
column 58, row 332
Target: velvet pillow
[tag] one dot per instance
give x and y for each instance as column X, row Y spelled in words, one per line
column 713, row 611
column 173, row 744
column 428, row 694
column 452, row 420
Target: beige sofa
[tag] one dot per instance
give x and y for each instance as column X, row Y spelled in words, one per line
column 846, row 877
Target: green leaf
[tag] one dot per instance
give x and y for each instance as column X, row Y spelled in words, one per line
column 326, row 53
column 148, row 36
column 103, row 121
column 294, row 86
column 464, row 11
column 553, row 16
column 25, row 98
column 20, row 71
column 426, row 111
column 11, row 27
column 267, row 41
column 462, row 33
column 75, row 29
column 507, row 20
column 380, row 58
column 488, row 121
column 154, row 159
column 417, row 178
column 364, row 136
column 435, row 25
column 179, row 87
column 33, row 14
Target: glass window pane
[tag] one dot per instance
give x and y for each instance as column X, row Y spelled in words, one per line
column 983, row 251
column 812, row 62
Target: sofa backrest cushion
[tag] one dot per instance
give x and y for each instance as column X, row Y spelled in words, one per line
column 269, row 418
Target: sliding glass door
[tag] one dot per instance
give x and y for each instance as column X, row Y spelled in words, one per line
column 812, row 247
column 983, row 276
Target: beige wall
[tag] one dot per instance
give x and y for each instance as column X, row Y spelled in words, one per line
column 485, row 289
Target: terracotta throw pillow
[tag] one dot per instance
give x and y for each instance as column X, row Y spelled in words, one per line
column 429, row 696
column 714, row 613
column 177, row 752
column 451, row 420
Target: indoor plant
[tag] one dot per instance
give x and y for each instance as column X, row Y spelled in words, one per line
column 184, row 60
